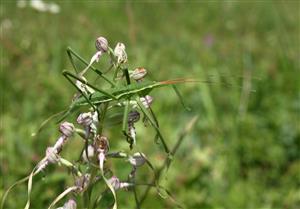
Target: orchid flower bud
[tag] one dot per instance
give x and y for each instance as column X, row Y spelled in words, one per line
column 147, row 101
column 51, row 155
column 138, row 74
column 67, row 129
column 133, row 116
column 120, row 53
column 82, row 182
column 90, row 153
column 85, row 119
column 138, row 159
column 115, row 182
column 101, row 44
column 70, row 204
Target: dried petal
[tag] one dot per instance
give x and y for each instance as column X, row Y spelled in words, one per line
column 101, row 144
column 138, row 73
column 120, row 53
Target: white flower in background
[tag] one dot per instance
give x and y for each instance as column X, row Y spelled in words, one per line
column 40, row 6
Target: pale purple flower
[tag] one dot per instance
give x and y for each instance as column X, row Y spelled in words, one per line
column 117, row 184
column 147, row 101
column 51, row 155
column 67, row 129
column 101, row 44
column 85, row 119
column 70, row 204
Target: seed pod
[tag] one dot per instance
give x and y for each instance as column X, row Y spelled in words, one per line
column 138, row 73
column 66, row 129
column 138, row 159
column 101, row 44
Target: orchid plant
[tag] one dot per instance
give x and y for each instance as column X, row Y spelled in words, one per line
column 129, row 90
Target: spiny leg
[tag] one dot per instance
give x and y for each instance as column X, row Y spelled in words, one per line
column 71, row 52
column 66, row 73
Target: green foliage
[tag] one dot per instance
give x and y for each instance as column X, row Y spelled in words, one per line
column 244, row 150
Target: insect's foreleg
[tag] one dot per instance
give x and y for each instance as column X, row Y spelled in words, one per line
column 67, row 74
column 180, row 98
column 71, row 52
column 89, row 85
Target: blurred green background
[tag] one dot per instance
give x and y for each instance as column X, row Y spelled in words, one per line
column 243, row 153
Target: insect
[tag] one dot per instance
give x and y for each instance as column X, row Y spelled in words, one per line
column 122, row 94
